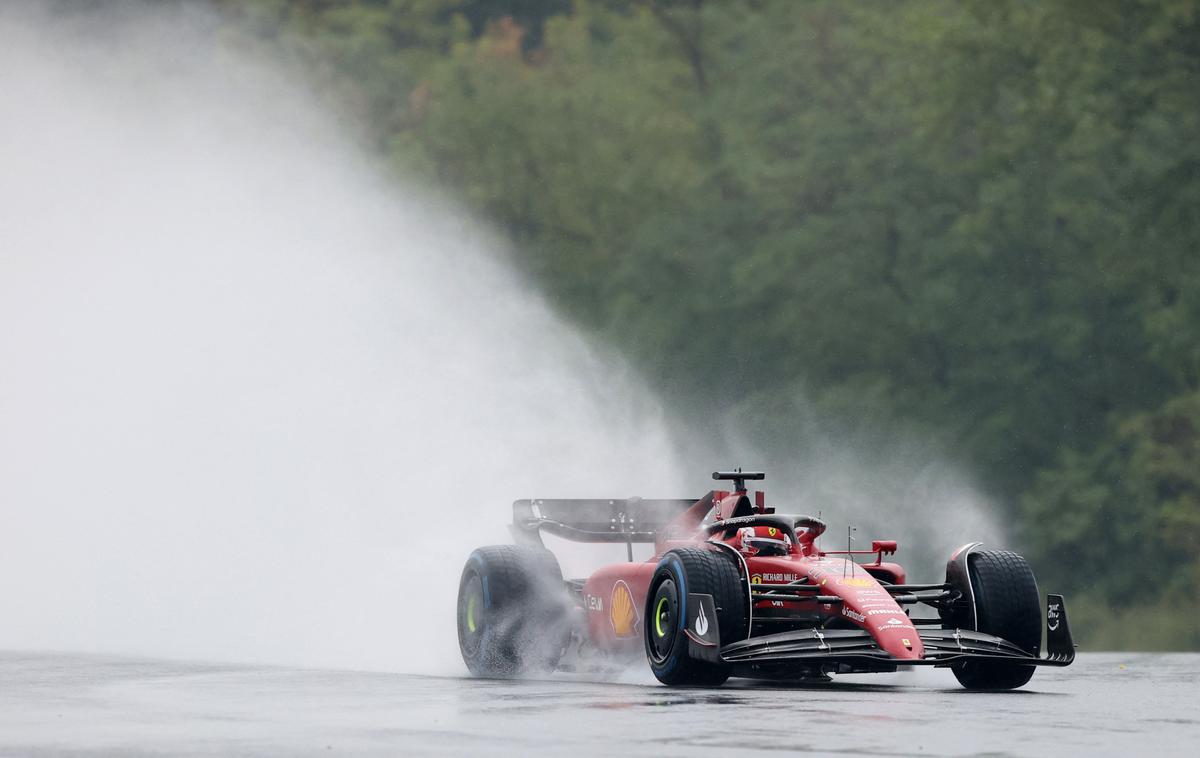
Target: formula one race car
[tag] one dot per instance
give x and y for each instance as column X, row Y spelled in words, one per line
column 735, row 589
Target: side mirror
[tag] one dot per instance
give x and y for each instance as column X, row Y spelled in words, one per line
column 883, row 547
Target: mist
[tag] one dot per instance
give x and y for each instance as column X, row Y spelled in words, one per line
column 258, row 402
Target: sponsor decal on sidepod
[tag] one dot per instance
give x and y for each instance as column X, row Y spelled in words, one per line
column 621, row 610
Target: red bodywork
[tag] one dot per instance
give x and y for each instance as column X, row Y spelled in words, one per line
column 614, row 597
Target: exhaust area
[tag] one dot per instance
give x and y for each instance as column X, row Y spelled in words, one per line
column 258, row 403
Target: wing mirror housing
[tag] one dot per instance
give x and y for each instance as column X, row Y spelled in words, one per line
column 883, row 547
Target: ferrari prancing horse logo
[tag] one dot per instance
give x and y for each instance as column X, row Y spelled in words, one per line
column 621, row 610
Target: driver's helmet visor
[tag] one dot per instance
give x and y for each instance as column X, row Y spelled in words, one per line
column 766, row 545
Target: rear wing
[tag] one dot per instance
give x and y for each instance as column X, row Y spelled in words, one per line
column 623, row 521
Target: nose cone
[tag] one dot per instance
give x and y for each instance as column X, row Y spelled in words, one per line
column 896, row 635
column 867, row 604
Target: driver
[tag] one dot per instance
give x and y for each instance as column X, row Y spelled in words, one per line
column 761, row 540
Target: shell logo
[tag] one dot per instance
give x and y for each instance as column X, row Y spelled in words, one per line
column 856, row 582
column 621, row 610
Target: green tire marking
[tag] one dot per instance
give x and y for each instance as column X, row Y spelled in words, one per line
column 471, row 614
column 658, row 617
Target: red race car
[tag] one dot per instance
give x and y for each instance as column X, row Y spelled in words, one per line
column 735, row 589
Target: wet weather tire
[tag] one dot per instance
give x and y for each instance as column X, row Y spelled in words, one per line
column 1007, row 605
column 683, row 571
column 513, row 611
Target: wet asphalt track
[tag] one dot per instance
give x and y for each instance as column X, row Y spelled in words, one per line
column 1105, row 704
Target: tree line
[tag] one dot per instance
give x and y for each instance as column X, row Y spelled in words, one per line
column 978, row 221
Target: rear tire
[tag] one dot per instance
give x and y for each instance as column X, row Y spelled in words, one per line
column 1007, row 604
column 513, row 611
column 691, row 570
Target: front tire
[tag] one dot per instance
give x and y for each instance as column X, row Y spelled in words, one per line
column 680, row 572
column 1007, row 604
column 513, row 612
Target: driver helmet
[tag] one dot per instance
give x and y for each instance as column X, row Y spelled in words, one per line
column 762, row 540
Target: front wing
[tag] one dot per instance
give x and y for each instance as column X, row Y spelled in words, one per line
column 855, row 649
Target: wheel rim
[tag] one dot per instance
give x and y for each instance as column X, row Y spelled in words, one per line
column 660, row 616
column 666, row 613
column 470, row 615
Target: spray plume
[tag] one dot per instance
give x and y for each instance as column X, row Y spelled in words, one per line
column 257, row 403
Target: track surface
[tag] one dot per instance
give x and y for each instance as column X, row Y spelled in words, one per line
column 1105, row 704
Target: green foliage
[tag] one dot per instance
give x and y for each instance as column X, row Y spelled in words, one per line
column 976, row 220
column 1124, row 519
